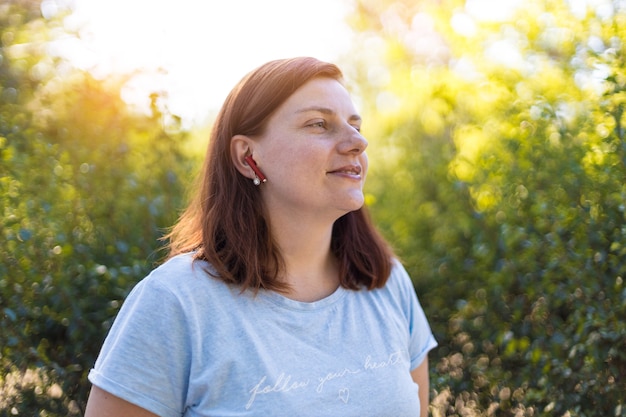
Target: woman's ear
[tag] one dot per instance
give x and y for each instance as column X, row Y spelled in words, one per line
column 240, row 147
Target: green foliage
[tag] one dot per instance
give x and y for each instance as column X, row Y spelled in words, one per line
column 502, row 184
column 87, row 188
column 500, row 181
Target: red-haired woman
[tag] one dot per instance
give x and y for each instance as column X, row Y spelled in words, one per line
column 279, row 297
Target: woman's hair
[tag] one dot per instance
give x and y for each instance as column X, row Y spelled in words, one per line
column 225, row 222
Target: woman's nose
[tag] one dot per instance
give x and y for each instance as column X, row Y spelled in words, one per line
column 353, row 141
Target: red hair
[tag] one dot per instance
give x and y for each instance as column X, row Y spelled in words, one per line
column 225, row 223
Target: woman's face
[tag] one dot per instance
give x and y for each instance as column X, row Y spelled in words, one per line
column 313, row 154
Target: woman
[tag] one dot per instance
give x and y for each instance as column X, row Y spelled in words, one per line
column 279, row 298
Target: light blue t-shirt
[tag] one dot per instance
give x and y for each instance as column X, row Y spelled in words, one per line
column 186, row 344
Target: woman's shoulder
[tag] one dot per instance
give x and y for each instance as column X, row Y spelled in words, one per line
column 399, row 278
column 179, row 264
column 180, row 285
column 399, row 288
column 181, row 274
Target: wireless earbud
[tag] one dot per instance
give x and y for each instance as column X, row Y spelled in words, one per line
column 259, row 177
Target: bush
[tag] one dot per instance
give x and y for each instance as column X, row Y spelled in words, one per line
column 81, row 223
column 504, row 192
column 87, row 188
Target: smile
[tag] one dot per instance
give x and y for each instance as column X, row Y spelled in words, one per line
column 351, row 170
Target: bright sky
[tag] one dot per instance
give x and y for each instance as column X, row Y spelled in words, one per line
column 203, row 46
column 196, row 50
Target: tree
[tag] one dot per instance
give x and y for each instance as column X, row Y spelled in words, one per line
column 501, row 177
column 87, row 188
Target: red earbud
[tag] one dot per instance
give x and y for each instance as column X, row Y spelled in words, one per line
column 260, row 177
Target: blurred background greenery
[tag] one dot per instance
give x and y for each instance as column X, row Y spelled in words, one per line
column 498, row 168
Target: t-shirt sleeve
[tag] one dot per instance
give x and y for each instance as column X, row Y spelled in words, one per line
column 421, row 339
column 146, row 355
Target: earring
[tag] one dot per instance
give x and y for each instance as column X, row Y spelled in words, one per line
column 258, row 175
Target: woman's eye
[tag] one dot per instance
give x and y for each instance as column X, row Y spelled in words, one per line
column 357, row 128
column 318, row 124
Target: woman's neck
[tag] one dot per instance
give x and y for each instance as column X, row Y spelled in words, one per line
column 311, row 270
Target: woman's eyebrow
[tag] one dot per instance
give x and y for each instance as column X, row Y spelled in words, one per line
column 328, row 111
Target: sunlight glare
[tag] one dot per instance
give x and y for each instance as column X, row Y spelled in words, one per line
column 195, row 51
column 490, row 10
